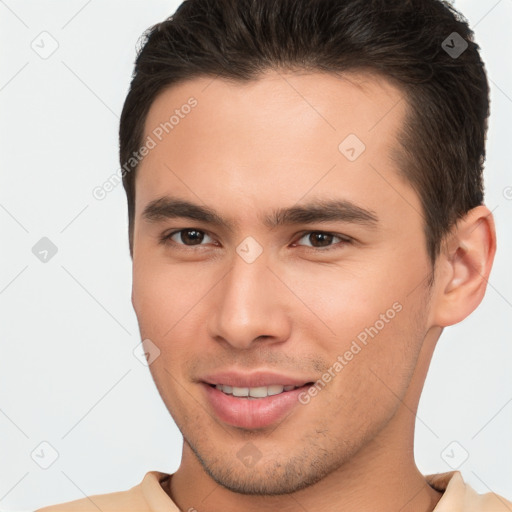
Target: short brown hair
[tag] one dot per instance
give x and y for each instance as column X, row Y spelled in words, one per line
column 441, row 148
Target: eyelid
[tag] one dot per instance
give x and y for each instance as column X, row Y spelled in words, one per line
column 344, row 239
column 166, row 238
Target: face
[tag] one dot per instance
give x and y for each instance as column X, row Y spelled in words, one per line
column 273, row 234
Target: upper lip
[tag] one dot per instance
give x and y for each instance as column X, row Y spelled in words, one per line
column 254, row 380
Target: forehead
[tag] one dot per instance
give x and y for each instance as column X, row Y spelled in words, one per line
column 284, row 135
column 322, row 101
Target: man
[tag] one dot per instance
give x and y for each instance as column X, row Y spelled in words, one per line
column 304, row 183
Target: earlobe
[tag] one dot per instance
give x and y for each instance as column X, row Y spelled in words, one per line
column 466, row 262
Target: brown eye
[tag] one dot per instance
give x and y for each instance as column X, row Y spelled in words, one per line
column 321, row 239
column 188, row 237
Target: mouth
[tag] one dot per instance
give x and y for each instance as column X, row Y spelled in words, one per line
column 238, row 407
column 256, row 393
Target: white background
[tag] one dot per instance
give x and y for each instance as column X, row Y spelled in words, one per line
column 68, row 375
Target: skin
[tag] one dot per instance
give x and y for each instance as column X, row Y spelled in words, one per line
column 245, row 150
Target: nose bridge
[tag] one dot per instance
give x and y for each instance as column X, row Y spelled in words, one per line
column 247, row 304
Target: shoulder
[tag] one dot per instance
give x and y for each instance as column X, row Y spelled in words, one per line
column 114, row 502
column 131, row 500
column 459, row 496
column 489, row 502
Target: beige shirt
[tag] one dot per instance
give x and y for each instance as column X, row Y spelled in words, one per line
column 149, row 496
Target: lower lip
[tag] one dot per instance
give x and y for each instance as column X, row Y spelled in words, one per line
column 252, row 414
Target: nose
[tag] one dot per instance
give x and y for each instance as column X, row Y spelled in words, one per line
column 250, row 305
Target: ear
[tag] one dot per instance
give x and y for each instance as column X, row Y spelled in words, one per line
column 463, row 267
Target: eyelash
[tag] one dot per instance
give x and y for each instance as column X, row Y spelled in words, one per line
column 345, row 240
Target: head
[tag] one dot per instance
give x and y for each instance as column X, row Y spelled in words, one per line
column 348, row 145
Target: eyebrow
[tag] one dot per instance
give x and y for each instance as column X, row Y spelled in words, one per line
column 319, row 210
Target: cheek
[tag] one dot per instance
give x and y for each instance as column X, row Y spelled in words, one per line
column 167, row 300
column 370, row 380
column 163, row 299
column 368, row 331
column 337, row 304
column 164, row 293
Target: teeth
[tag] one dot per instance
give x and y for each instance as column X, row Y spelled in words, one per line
column 258, row 392
column 240, row 391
